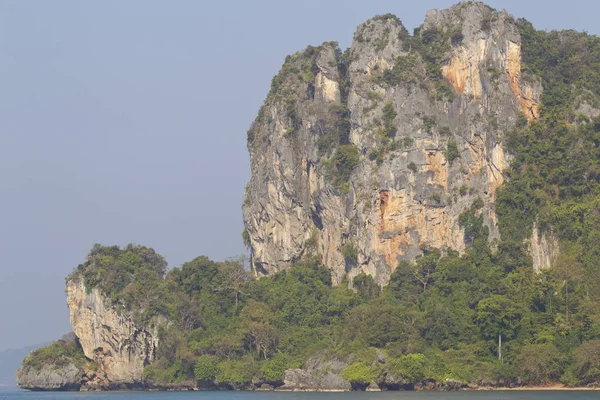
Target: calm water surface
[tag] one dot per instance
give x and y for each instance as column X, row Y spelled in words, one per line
column 496, row 395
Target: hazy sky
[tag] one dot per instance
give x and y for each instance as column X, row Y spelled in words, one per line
column 125, row 121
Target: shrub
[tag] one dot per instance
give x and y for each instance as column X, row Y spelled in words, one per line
column 365, row 286
column 360, row 373
column 410, row 367
column 236, row 371
column 206, row 368
column 57, row 354
column 457, row 37
column 451, row 152
column 246, row 238
column 486, row 23
column 429, row 122
column 389, row 114
column 350, row 253
column 345, row 160
column 272, row 370
column 587, row 361
column 539, row 363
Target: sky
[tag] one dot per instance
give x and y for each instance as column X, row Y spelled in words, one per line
column 125, row 122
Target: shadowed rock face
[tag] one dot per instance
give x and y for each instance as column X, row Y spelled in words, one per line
column 50, row 377
column 112, row 340
column 405, row 189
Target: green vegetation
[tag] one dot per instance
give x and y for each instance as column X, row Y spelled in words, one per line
column 404, row 71
column 427, row 51
column 206, row 368
column 410, row 367
column 350, row 253
column 246, row 238
column 451, row 152
column 389, row 130
column 130, row 277
column 301, row 66
column 333, row 129
column 429, row 123
column 295, row 81
column 56, row 355
column 445, row 130
column 440, row 316
column 344, row 161
column 361, row 372
column 434, row 46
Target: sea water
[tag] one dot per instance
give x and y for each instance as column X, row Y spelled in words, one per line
column 464, row 395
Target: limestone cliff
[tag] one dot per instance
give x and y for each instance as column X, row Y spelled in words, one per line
column 420, row 120
column 118, row 347
column 544, row 249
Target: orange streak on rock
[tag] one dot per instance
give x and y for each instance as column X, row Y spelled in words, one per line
column 529, row 106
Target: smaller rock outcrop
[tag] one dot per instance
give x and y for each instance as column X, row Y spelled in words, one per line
column 303, row 380
column 50, row 377
column 544, row 249
column 111, row 339
column 58, row 366
column 318, row 374
column 299, row 379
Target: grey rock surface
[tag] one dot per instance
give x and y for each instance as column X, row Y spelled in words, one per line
column 303, row 380
column 404, row 193
column 299, row 379
column 120, row 348
column 50, row 377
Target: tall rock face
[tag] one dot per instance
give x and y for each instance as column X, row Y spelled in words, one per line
column 110, row 338
column 365, row 157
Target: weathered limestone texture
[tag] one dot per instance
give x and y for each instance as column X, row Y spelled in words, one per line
column 404, row 193
column 112, row 340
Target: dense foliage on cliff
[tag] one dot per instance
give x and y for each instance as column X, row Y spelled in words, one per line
column 437, row 319
column 56, row 355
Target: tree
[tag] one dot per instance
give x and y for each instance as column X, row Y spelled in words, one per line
column 264, row 336
column 539, row 363
column 425, row 266
column 257, row 318
column 410, row 367
column 273, row 369
column 187, row 312
column 497, row 314
column 206, row 368
column 376, row 324
column 365, row 286
column 360, row 372
column 235, row 276
column 403, row 285
column 568, row 271
column 587, row 361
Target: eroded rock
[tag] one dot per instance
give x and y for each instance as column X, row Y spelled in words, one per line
column 404, row 191
column 119, row 347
